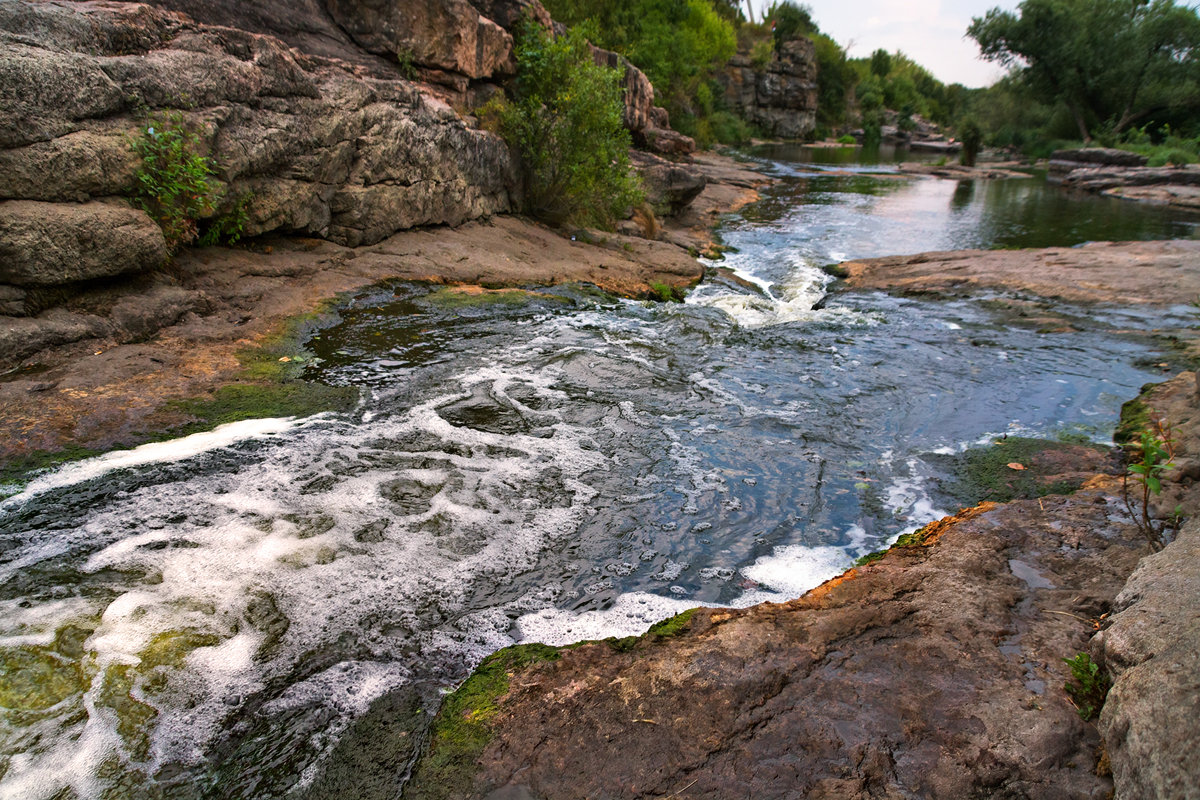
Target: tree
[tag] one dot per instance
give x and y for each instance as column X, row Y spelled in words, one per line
column 1109, row 62
column 565, row 121
column 881, row 63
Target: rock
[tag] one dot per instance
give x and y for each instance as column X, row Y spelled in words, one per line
column 313, row 143
column 668, row 185
column 12, row 301
column 47, row 244
column 1106, row 156
column 780, row 98
column 645, row 121
column 1151, row 719
column 444, row 34
column 935, row 672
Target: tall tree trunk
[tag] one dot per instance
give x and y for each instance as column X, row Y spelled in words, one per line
column 1077, row 113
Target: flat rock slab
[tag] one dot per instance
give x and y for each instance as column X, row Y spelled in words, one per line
column 935, row 672
column 1155, row 273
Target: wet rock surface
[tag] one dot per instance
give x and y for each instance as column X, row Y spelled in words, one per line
column 933, row 672
column 1157, row 273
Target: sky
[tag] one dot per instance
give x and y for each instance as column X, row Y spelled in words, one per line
column 930, row 32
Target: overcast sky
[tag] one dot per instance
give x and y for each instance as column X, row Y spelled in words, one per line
column 931, row 32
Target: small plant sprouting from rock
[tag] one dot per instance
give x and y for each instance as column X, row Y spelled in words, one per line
column 405, row 61
column 1088, row 686
column 1156, row 454
column 172, row 185
column 228, row 228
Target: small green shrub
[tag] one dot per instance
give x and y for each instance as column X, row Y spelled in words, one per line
column 172, row 184
column 972, row 138
column 761, row 52
column 1155, row 456
column 847, row 139
column 404, row 60
column 228, row 228
column 565, row 122
column 1088, row 687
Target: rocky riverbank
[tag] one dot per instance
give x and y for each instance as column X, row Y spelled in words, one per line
column 120, row 363
column 340, row 136
column 936, row 670
column 1121, row 174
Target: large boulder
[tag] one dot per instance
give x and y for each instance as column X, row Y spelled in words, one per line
column 1151, row 719
column 1103, row 156
column 670, row 186
column 49, row 244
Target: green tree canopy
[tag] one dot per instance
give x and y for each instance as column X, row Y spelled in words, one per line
column 679, row 44
column 1109, row 62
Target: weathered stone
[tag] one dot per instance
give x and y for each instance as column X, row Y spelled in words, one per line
column 668, row 185
column 73, row 167
column 446, row 34
column 780, row 98
column 12, row 301
column 1151, row 720
column 1105, row 156
column 45, row 244
column 935, row 672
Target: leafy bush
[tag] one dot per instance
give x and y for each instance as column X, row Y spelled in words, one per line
column 172, row 185
column 1156, row 455
column 792, row 21
column 228, row 228
column 847, row 139
column 565, row 122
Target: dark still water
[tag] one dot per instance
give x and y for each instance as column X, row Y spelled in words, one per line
column 216, row 616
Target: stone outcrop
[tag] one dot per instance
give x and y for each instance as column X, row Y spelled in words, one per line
column 781, row 98
column 47, row 244
column 308, row 110
column 669, row 186
column 935, row 672
column 1121, row 174
column 1103, row 156
column 1151, row 720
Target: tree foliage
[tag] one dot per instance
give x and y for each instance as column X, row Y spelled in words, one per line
column 679, row 44
column 1108, row 62
column 565, row 122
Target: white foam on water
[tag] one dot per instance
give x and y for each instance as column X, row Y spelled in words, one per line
column 794, row 299
column 152, row 453
column 630, row 615
column 307, row 562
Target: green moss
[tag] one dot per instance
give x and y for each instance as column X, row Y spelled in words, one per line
column 241, row 401
column 836, row 270
column 19, row 470
column 1135, row 418
column 987, row 476
column 666, row 294
column 904, row 540
column 462, row 728
column 659, row 630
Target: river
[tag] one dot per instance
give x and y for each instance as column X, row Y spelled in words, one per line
column 231, row 614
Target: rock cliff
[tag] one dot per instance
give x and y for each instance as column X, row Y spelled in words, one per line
column 335, row 119
column 781, row 98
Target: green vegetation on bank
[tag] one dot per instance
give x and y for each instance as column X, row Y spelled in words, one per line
column 1109, row 72
column 176, row 185
column 565, row 122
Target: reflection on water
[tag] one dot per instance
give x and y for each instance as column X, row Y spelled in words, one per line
column 248, row 615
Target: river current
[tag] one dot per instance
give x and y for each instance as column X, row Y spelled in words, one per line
column 216, row 616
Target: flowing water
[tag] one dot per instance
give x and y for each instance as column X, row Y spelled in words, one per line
column 220, row 615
